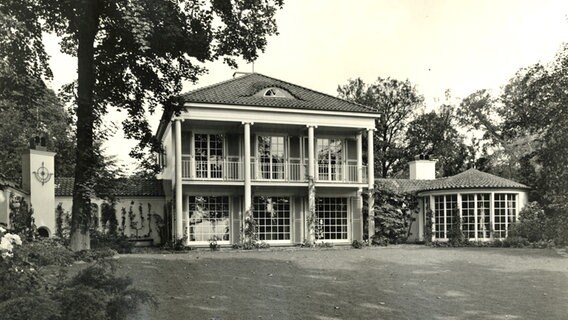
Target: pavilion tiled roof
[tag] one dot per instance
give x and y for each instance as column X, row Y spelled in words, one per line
column 469, row 179
column 118, row 187
column 241, row 90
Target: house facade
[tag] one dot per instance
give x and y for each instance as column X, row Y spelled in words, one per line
column 261, row 146
column 287, row 156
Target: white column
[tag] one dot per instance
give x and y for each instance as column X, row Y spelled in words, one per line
column 359, row 157
column 311, row 152
column 371, row 181
column 178, row 180
column 248, row 192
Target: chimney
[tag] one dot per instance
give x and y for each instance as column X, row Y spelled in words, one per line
column 422, row 168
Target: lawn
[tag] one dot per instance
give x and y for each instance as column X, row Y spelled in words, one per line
column 402, row 282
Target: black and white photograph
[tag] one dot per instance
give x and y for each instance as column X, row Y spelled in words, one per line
column 283, row 159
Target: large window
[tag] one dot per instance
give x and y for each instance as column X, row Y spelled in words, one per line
column 272, row 215
column 505, row 213
column 444, row 214
column 209, row 156
column 477, row 218
column 332, row 219
column 330, row 159
column 271, row 157
column 209, row 218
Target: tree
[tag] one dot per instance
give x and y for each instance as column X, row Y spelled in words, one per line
column 132, row 55
column 28, row 113
column 435, row 134
column 395, row 102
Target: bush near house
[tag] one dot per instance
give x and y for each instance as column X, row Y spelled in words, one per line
column 393, row 216
column 35, row 282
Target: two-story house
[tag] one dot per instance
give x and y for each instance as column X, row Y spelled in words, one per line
column 290, row 157
column 265, row 145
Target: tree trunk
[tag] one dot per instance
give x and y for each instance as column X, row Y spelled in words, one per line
column 88, row 16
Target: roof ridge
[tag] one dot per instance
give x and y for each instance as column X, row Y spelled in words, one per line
column 318, row 92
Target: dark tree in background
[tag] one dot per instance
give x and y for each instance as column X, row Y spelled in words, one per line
column 394, row 102
column 132, row 55
column 25, row 114
column 435, row 134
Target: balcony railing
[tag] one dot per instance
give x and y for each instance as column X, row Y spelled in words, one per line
column 289, row 170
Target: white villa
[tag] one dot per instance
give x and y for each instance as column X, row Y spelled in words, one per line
column 265, row 145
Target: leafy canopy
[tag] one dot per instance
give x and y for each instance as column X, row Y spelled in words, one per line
column 395, row 102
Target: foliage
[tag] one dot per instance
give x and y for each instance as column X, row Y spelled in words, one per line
column 62, row 222
column 45, row 252
column 428, row 226
column 31, row 292
column 312, row 221
column 108, row 217
column 393, row 216
column 456, row 237
column 214, row 246
column 164, row 225
column 103, row 295
column 536, row 225
column 435, row 134
column 95, row 254
column 22, row 221
column 116, row 242
column 132, row 55
column 32, row 109
column 394, row 102
column 250, row 230
column 357, row 244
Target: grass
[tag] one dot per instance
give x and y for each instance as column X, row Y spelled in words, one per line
column 403, row 282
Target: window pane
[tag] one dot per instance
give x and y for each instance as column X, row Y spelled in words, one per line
column 483, row 216
column 272, row 215
column 332, row 219
column 468, row 215
column 209, row 218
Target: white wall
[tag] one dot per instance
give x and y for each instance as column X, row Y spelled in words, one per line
column 157, row 207
column 42, row 195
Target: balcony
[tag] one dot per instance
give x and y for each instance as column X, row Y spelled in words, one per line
column 289, row 170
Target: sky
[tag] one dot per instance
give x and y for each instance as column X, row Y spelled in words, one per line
column 460, row 45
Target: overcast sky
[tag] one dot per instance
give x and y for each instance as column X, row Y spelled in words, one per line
column 437, row 44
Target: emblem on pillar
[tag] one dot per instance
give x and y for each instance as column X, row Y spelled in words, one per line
column 42, row 174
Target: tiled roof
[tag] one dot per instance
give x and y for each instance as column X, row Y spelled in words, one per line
column 241, row 91
column 402, row 185
column 473, row 179
column 470, row 179
column 120, row 187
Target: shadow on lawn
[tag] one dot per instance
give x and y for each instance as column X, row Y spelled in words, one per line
column 251, row 288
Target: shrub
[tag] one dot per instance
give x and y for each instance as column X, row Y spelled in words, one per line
column 456, row 238
column 515, row 242
column 35, row 307
column 116, row 242
column 532, row 224
column 95, row 254
column 357, row 244
column 45, row 252
column 394, row 216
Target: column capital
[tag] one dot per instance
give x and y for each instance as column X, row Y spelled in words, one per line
column 371, row 129
column 177, row 120
column 247, row 122
column 312, row 126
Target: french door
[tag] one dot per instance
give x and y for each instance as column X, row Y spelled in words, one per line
column 209, row 156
